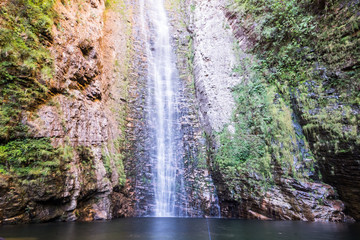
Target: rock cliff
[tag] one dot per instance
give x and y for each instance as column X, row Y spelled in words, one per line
column 262, row 163
column 80, row 116
column 269, row 103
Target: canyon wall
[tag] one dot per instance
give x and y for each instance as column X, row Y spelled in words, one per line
column 269, row 158
column 196, row 196
column 80, row 176
column 84, row 138
column 269, row 103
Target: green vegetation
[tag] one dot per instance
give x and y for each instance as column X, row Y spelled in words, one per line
column 114, row 160
column 263, row 135
column 309, row 50
column 112, row 4
column 307, row 55
column 86, row 155
column 292, row 36
column 26, row 67
column 113, row 154
column 26, row 71
column 32, row 159
column 25, row 63
column 190, row 60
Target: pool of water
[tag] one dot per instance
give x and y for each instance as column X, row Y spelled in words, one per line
column 181, row 228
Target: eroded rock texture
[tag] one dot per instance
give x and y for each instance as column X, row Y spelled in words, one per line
column 214, row 61
column 90, row 51
column 87, row 117
column 241, row 192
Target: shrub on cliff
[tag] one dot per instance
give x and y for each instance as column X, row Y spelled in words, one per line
column 307, row 71
column 25, row 62
column 309, row 50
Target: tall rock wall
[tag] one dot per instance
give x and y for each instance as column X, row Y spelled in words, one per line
column 263, row 165
column 84, row 118
column 214, row 61
column 277, row 127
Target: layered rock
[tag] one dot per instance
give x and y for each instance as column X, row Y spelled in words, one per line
column 199, row 186
column 332, row 125
column 92, row 56
column 98, row 125
column 242, row 192
column 197, row 195
column 214, row 61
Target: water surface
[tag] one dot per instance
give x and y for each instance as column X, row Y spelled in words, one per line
column 182, row 229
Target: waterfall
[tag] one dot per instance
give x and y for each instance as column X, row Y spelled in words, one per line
column 163, row 113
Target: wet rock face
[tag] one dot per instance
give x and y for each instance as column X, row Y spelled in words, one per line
column 288, row 199
column 19, row 205
column 335, row 141
column 338, row 155
column 199, row 189
column 340, row 169
column 196, row 197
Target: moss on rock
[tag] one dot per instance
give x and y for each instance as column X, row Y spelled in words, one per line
column 25, row 63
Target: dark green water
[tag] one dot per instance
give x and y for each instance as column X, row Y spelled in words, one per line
column 182, row 228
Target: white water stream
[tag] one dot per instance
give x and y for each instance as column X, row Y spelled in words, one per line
column 163, row 113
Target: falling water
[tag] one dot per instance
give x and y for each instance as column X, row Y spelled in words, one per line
column 163, row 114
